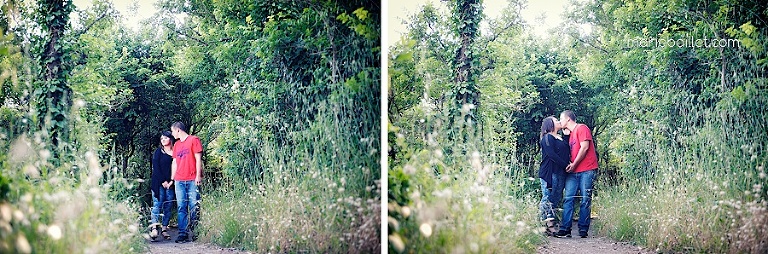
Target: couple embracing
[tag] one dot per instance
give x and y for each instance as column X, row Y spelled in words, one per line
column 176, row 173
column 568, row 162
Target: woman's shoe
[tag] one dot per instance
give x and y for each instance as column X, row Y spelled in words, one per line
column 154, row 231
column 166, row 235
column 551, row 228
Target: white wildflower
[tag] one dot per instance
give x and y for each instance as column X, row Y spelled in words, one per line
column 425, row 229
column 55, row 232
column 22, row 245
column 397, row 243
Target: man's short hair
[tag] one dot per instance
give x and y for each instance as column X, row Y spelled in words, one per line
column 570, row 115
column 180, row 126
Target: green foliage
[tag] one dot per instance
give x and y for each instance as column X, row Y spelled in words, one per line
column 670, row 118
column 463, row 206
column 466, row 16
column 361, row 22
column 318, row 211
column 519, row 86
column 55, row 212
column 10, row 57
column 405, row 84
column 281, row 94
column 443, row 199
column 286, row 71
column 668, row 121
column 49, row 205
column 53, row 93
column 5, row 187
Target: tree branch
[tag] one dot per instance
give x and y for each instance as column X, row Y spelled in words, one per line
column 502, row 30
column 589, row 43
column 191, row 37
column 88, row 27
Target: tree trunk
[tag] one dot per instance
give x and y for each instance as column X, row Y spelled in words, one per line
column 468, row 14
column 55, row 98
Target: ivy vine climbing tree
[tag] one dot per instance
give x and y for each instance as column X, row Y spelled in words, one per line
column 467, row 15
column 53, row 93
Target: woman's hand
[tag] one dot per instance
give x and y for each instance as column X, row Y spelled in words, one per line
column 569, row 168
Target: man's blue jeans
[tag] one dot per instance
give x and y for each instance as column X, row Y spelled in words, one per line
column 186, row 197
column 578, row 181
column 163, row 204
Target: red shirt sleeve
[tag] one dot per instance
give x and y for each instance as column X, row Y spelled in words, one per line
column 583, row 133
column 197, row 147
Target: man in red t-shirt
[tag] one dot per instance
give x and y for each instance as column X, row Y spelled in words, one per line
column 581, row 174
column 186, row 171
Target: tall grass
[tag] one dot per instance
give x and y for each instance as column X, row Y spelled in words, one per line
column 466, row 203
column 313, row 213
column 71, row 208
column 321, row 195
column 706, row 187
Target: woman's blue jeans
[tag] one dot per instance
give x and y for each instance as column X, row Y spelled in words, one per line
column 550, row 199
column 163, row 204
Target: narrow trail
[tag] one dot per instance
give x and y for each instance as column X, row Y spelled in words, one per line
column 591, row 244
column 161, row 245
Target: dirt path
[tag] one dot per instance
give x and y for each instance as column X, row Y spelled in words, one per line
column 169, row 246
column 591, row 245
column 574, row 245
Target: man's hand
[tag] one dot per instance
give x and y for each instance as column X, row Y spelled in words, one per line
column 569, row 168
column 198, row 168
column 173, row 169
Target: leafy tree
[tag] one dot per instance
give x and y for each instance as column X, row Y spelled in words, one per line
column 275, row 62
column 54, row 93
column 467, row 15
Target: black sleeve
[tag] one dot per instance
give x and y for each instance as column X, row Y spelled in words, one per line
column 154, row 184
column 549, row 148
column 565, row 155
column 153, row 162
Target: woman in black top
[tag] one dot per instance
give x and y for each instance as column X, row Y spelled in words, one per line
column 163, row 192
column 555, row 156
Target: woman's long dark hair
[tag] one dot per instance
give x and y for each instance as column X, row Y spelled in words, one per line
column 169, row 135
column 547, row 126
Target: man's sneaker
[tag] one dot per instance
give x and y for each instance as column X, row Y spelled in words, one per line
column 583, row 234
column 562, row 233
column 182, row 239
